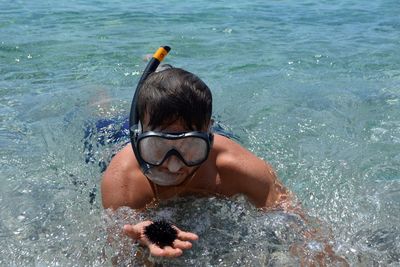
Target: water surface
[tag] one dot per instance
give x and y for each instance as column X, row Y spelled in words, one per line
column 313, row 87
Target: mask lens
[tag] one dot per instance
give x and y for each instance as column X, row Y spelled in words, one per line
column 154, row 149
column 193, row 150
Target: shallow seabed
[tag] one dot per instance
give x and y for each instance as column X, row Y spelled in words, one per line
column 313, row 87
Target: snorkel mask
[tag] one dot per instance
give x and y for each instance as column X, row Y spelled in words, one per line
column 152, row 148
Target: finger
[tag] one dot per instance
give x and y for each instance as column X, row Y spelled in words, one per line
column 164, row 252
column 155, row 250
column 172, row 252
column 182, row 244
column 130, row 231
column 135, row 231
column 187, row 236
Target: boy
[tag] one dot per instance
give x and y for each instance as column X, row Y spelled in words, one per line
column 176, row 154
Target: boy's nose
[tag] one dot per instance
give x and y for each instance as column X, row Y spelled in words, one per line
column 173, row 163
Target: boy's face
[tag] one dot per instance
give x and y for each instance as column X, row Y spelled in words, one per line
column 172, row 171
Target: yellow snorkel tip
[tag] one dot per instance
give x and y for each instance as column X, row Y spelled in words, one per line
column 161, row 53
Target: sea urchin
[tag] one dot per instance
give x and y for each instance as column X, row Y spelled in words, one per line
column 161, row 233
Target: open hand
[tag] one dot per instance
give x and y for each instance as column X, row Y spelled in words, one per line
column 181, row 243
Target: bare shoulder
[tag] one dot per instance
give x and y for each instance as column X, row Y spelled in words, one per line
column 123, row 183
column 242, row 172
column 233, row 156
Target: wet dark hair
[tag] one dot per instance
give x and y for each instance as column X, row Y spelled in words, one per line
column 175, row 94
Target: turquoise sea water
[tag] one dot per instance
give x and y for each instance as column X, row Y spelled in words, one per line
column 313, row 87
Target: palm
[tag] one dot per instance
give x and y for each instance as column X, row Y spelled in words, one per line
column 181, row 243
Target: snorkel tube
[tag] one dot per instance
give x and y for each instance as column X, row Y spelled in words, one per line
column 134, row 127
